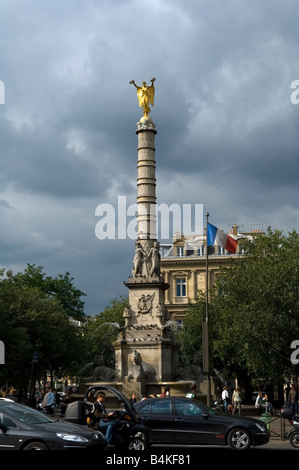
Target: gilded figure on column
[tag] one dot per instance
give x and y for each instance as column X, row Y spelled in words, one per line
column 145, row 96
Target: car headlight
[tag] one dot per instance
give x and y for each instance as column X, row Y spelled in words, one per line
column 260, row 427
column 71, row 437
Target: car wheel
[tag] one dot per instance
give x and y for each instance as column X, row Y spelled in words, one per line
column 239, row 439
column 35, row 446
column 294, row 440
column 138, row 443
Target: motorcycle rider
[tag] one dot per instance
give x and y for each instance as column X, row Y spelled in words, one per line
column 103, row 420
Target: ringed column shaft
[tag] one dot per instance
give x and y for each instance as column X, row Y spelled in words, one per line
column 146, row 185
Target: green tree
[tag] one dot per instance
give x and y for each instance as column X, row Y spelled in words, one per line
column 31, row 321
column 256, row 316
column 253, row 312
column 60, row 288
column 102, row 330
column 190, row 336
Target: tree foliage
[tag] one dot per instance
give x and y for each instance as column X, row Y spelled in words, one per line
column 190, row 336
column 257, row 313
column 253, row 310
column 61, row 288
column 102, row 330
column 32, row 321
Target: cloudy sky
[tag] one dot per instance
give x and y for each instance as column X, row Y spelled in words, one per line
column 228, row 133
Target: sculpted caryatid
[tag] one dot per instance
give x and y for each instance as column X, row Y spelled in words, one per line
column 138, row 260
column 145, row 96
column 154, row 255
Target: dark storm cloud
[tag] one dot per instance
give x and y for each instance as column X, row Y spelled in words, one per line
column 227, row 131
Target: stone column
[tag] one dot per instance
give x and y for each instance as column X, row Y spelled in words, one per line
column 146, row 352
column 146, row 181
column 146, row 262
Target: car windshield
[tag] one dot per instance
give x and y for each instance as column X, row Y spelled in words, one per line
column 25, row 414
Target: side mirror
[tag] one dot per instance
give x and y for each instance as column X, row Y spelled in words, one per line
column 205, row 415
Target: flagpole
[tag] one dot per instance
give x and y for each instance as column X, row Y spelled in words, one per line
column 207, row 272
column 205, row 326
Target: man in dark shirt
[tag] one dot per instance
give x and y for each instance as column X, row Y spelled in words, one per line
column 293, row 398
column 105, row 424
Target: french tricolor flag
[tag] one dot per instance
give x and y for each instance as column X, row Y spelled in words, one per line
column 216, row 237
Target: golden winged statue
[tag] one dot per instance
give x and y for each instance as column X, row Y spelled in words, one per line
column 145, row 96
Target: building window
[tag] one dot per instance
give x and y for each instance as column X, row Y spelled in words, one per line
column 180, row 251
column 201, row 250
column 181, row 287
column 221, row 250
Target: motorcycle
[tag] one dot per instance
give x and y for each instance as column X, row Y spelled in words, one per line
column 128, row 433
column 293, row 433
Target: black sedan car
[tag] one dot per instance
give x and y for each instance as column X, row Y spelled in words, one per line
column 185, row 421
column 24, row 428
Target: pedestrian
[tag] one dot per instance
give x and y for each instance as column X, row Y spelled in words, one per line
column 63, row 404
column 287, row 391
column 192, row 393
column 259, row 402
column 166, row 392
column 51, row 401
column 293, row 398
column 237, row 399
column 133, row 399
column 268, row 407
column 12, row 395
column 225, row 399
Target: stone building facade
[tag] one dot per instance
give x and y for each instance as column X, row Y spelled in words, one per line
column 183, row 267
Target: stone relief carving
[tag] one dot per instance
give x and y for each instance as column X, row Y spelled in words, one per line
column 144, row 303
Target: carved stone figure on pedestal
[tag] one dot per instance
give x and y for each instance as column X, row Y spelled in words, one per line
column 146, row 261
column 194, row 370
column 138, row 261
column 101, row 372
column 155, row 258
column 138, row 371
